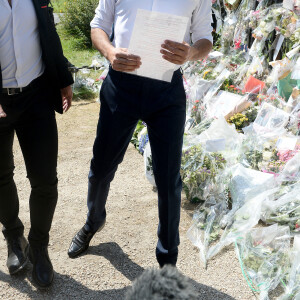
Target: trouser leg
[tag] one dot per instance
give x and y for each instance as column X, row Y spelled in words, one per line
column 9, row 202
column 114, row 132
column 166, row 129
column 37, row 134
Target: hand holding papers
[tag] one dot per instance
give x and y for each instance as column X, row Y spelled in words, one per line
column 122, row 61
column 151, row 30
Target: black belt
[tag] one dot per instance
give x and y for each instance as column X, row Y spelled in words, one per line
column 15, row 91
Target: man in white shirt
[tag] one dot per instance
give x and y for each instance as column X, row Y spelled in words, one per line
column 34, row 80
column 126, row 98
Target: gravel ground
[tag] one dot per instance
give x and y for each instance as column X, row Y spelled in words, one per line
column 126, row 245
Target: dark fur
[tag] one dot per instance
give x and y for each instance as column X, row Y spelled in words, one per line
column 162, row 284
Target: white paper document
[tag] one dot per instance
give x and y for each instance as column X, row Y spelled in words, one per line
column 150, row 31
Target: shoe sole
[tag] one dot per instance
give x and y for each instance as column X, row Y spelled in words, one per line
column 24, row 263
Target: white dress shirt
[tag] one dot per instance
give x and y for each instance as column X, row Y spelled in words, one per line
column 20, row 49
column 122, row 13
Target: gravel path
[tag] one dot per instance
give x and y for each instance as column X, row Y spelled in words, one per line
column 126, row 245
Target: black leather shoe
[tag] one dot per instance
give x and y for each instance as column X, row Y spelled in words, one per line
column 81, row 241
column 17, row 254
column 167, row 259
column 42, row 271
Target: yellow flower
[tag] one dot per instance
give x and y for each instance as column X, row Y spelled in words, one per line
column 205, row 73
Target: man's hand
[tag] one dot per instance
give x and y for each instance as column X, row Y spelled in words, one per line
column 2, row 113
column 66, row 97
column 180, row 53
column 122, row 61
column 176, row 53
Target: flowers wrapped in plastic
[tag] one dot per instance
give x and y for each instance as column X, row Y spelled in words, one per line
column 243, row 221
column 204, row 158
column 228, row 32
column 198, row 171
column 291, row 171
column 270, row 121
column 244, row 185
column 264, row 257
column 267, row 25
column 206, row 226
column 292, row 285
column 285, row 210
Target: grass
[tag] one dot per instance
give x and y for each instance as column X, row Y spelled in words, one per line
column 79, row 57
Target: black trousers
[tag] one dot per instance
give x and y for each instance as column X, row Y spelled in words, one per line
column 125, row 99
column 32, row 118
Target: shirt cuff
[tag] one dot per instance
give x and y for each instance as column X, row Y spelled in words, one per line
column 106, row 27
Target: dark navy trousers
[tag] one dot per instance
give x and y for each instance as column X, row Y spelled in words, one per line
column 125, row 99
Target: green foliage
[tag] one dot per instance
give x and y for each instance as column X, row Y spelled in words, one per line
column 59, row 5
column 134, row 140
column 77, row 18
column 78, row 57
column 198, row 170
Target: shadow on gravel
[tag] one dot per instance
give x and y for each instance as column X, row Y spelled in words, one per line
column 65, row 287
column 118, row 258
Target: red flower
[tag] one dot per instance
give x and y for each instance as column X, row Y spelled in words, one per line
column 197, row 101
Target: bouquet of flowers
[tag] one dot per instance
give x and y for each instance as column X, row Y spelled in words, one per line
column 206, row 226
column 198, row 171
column 228, row 32
column 285, row 210
column 268, row 24
column 244, row 219
column 292, row 285
column 264, row 257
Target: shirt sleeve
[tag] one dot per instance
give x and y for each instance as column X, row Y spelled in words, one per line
column 104, row 16
column 201, row 21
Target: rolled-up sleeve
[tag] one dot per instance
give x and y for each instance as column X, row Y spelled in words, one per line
column 201, row 22
column 104, row 16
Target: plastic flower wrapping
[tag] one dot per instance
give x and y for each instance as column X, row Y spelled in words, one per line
column 292, row 279
column 264, row 257
column 241, row 151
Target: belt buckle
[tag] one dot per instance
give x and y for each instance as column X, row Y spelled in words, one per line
column 12, row 91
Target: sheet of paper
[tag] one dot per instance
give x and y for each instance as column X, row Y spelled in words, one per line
column 150, row 31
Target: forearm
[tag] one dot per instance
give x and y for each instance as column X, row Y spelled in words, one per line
column 200, row 49
column 101, row 42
